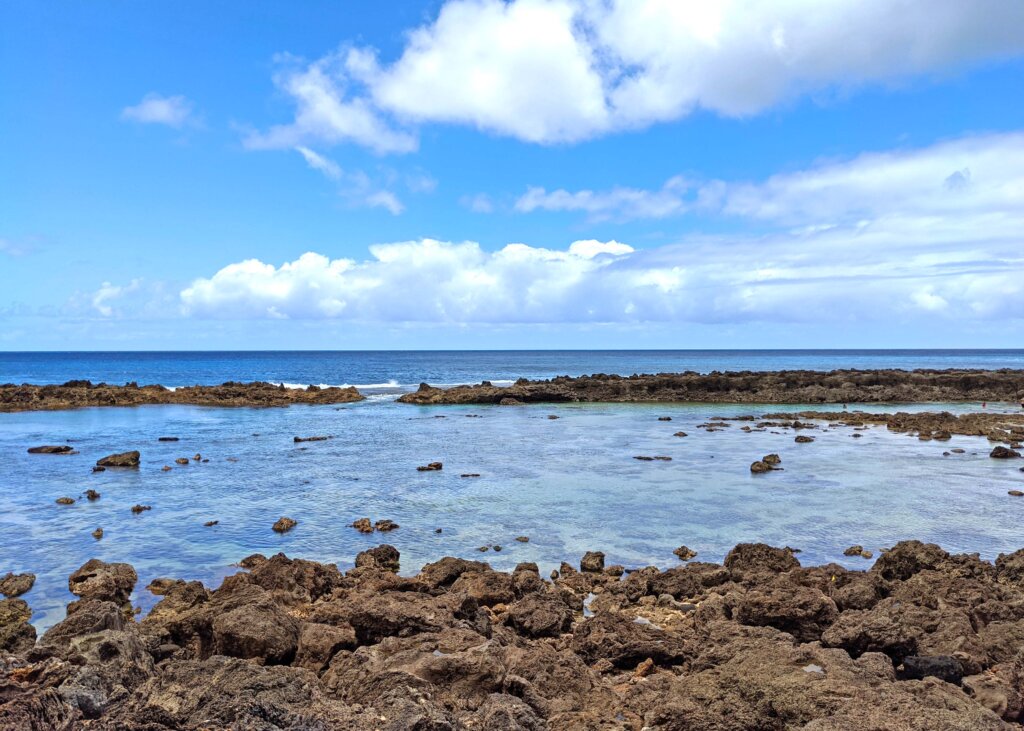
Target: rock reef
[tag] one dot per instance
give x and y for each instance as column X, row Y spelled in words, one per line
column 923, row 640
column 80, row 394
column 792, row 387
column 941, row 425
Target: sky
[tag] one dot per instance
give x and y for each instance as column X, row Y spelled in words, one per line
column 523, row 174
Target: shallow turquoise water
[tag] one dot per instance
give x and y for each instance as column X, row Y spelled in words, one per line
column 570, row 484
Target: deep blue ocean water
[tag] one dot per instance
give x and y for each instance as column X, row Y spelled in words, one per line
column 570, row 484
column 406, row 369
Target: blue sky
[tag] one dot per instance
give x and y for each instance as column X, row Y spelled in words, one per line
column 537, row 173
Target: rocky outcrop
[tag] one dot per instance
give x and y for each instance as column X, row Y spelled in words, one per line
column 923, row 640
column 123, row 459
column 799, row 387
column 79, row 394
column 14, row 585
column 996, row 426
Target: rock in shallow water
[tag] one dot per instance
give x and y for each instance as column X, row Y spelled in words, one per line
column 14, row 585
column 284, row 524
column 52, row 449
column 123, row 459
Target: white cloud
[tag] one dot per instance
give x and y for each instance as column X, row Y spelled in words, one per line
column 385, row 199
column 980, row 177
column 478, row 203
column 882, row 237
column 357, row 188
column 318, row 162
column 173, row 111
column 104, row 298
column 324, row 114
column 551, row 71
column 618, row 203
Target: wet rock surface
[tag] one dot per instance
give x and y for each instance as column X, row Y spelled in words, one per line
column 923, row 640
column 14, row 585
column 79, row 394
column 806, row 387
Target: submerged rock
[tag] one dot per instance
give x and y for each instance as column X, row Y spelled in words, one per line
column 432, row 467
column 52, row 449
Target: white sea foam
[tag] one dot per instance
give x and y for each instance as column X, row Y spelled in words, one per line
column 393, row 384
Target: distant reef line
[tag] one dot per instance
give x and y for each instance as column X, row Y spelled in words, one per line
column 754, row 387
column 82, row 394
column 737, row 387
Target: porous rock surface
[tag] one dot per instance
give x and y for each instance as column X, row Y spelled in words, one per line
column 793, row 387
column 923, row 640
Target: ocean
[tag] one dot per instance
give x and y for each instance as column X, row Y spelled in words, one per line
column 569, row 484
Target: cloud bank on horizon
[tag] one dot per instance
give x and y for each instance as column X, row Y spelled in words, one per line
column 563, row 71
column 930, row 231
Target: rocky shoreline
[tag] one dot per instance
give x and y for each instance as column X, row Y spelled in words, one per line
column 783, row 387
column 81, row 394
column 925, row 425
column 923, row 640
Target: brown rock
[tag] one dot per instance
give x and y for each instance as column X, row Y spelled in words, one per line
column 141, row 508
column 283, row 525
column 14, row 585
column 432, row 467
column 52, row 449
column 17, row 636
column 363, row 525
column 95, row 579
column 684, row 553
column 65, row 501
column 383, row 557
column 123, row 459
column 592, row 562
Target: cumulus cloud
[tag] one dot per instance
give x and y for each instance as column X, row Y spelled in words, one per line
column 173, row 111
column 550, row 71
column 884, row 235
column 324, row 113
